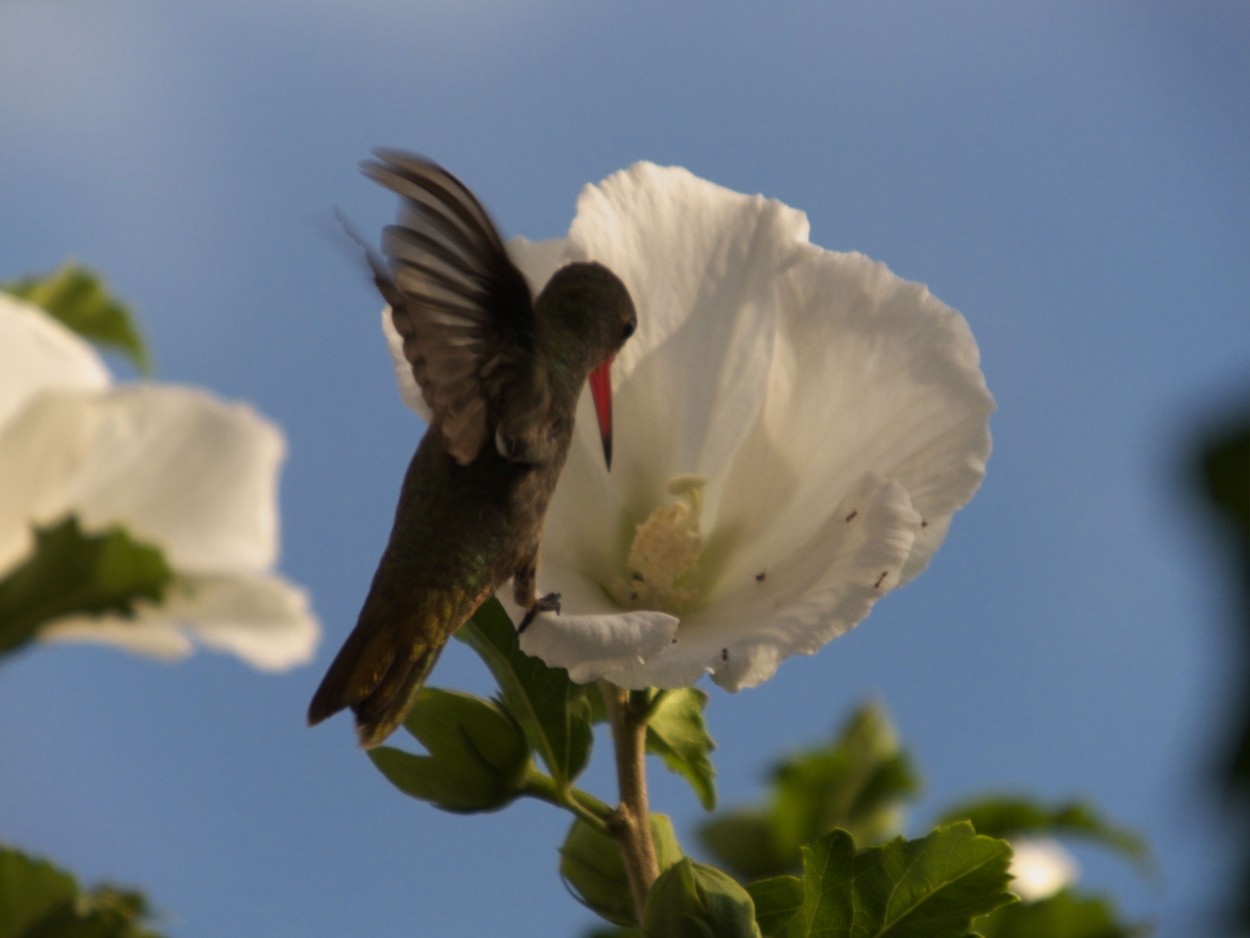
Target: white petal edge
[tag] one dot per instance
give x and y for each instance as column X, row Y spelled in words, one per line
column 871, row 374
column 594, row 645
column 176, row 466
column 37, row 354
column 263, row 619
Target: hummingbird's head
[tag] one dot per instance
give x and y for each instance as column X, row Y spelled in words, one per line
column 588, row 314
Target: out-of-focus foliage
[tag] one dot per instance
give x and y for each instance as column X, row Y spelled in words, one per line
column 39, row 900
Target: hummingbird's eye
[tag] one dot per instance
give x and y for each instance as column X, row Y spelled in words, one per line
column 630, row 326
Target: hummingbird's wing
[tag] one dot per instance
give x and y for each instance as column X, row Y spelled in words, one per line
column 462, row 307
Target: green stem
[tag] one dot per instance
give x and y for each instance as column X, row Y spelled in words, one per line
column 630, row 823
column 585, row 806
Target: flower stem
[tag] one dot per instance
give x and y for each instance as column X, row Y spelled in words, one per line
column 585, row 806
column 630, row 823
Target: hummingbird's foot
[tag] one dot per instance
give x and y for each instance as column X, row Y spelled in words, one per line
column 548, row 603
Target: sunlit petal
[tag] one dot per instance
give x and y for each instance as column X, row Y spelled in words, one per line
column 871, row 374
column 175, row 466
column 260, row 618
column 37, row 353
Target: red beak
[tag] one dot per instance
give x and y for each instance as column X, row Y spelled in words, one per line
column 601, row 391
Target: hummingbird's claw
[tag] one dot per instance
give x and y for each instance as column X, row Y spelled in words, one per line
column 548, row 603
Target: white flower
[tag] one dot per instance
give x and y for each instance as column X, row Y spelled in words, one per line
column 176, row 467
column 794, row 429
column 1040, row 867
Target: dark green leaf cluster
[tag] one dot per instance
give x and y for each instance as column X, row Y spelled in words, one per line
column 480, row 755
column 822, row 801
column 928, row 888
column 79, row 299
column 477, row 758
column 821, row 856
column 71, row 572
column 39, row 900
column 1011, row 816
column 1063, row 915
column 857, row 784
column 553, row 711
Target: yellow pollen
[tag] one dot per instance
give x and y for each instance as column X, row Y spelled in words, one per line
column 665, row 550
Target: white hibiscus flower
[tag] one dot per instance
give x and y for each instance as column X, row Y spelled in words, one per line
column 175, row 467
column 794, row 428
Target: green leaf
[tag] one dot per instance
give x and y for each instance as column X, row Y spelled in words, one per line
column 746, row 841
column 552, row 710
column 74, row 573
column 38, row 900
column 691, row 900
column 1064, row 914
column 1009, row 816
column 80, row 300
column 592, row 868
column 678, row 734
column 928, row 888
column 477, row 759
column 28, row 890
column 777, row 901
column 858, row 783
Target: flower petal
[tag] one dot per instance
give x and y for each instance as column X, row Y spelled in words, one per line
column 871, row 373
column 701, row 263
column 793, row 602
column 176, row 466
column 591, row 646
column 538, row 260
column 37, row 353
column 263, row 619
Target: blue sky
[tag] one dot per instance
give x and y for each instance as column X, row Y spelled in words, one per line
column 1071, row 177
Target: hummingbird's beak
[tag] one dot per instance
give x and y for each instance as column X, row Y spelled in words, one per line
column 601, row 391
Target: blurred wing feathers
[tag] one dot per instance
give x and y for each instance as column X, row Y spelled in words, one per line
column 461, row 306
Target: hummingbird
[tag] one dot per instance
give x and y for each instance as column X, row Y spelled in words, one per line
column 501, row 372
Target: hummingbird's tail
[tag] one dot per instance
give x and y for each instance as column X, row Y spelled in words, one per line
column 385, row 660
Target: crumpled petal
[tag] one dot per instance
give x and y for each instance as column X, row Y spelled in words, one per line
column 175, row 466
column 261, row 618
column 589, row 646
column 41, row 354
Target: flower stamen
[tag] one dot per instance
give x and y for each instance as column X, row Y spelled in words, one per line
column 665, row 551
